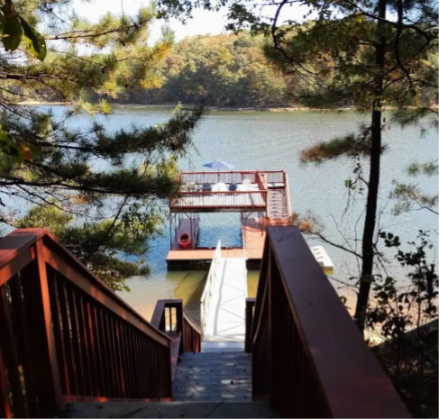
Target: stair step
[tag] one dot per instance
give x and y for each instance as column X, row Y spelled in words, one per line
column 223, row 376
column 173, row 410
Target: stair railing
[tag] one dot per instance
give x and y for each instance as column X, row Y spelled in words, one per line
column 170, row 317
column 308, row 357
column 65, row 336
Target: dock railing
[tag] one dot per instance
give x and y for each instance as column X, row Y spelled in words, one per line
column 65, row 336
column 228, row 177
column 308, row 356
column 212, row 284
column 221, row 199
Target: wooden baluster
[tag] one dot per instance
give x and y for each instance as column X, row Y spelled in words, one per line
column 8, row 344
column 58, row 334
column 142, row 372
column 109, row 372
column 99, row 345
column 60, row 286
column 5, row 408
column 76, row 340
column 111, row 364
column 39, row 322
column 120, row 355
column 131, row 385
column 90, row 388
column 147, row 362
column 24, row 347
column 116, row 355
column 136, row 362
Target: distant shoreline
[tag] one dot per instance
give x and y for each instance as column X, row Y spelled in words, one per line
column 211, row 108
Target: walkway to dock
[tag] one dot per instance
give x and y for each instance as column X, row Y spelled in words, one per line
column 225, row 323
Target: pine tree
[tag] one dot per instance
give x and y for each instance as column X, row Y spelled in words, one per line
column 99, row 191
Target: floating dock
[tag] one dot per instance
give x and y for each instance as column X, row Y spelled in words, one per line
column 261, row 197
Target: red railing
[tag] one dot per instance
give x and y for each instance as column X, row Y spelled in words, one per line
column 309, row 358
column 65, row 336
column 228, row 177
column 219, row 199
column 170, row 317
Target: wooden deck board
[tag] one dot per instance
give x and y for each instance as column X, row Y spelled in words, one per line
column 253, row 239
column 202, row 254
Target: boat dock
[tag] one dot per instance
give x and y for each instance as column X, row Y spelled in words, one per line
column 260, row 197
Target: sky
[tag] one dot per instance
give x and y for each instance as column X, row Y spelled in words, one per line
column 203, row 22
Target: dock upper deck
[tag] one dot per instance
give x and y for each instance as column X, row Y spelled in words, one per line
column 222, row 191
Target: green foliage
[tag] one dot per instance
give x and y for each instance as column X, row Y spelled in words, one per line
column 103, row 246
column 351, row 146
column 35, row 42
column 409, row 197
column 404, row 317
column 221, row 70
column 98, row 191
column 14, row 29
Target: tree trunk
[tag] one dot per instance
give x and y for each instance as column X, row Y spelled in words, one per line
column 373, row 188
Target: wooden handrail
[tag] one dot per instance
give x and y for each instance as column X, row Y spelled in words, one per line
column 65, row 336
column 309, row 358
column 170, row 317
column 212, row 177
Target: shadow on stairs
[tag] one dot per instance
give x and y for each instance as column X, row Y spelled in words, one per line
column 206, row 385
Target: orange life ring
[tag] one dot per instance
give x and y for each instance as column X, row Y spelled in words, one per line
column 184, row 240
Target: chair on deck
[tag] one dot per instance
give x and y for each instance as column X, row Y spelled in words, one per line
column 206, row 187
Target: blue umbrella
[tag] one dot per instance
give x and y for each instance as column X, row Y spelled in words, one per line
column 218, row 164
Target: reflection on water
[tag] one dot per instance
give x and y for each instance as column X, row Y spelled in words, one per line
column 273, row 141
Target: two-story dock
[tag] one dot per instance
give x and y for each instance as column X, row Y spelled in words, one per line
column 261, row 197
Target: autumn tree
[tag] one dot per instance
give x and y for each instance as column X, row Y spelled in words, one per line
column 97, row 190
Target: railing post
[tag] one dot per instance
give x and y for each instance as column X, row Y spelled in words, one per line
column 5, row 409
column 39, row 322
column 250, row 303
column 179, row 324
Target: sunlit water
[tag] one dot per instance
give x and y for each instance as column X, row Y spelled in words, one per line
column 273, row 141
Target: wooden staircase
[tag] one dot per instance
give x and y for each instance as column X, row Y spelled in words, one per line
column 71, row 347
column 206, row 385
column 277, row 204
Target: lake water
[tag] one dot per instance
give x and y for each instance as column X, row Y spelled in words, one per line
column 273, row 141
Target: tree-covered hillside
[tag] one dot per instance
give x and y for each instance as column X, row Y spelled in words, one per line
column 232, row 70
column 221, row 70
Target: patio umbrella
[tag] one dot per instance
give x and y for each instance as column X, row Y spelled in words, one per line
column 218, row 164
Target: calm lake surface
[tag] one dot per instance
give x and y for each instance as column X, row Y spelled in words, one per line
column 273, row 141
